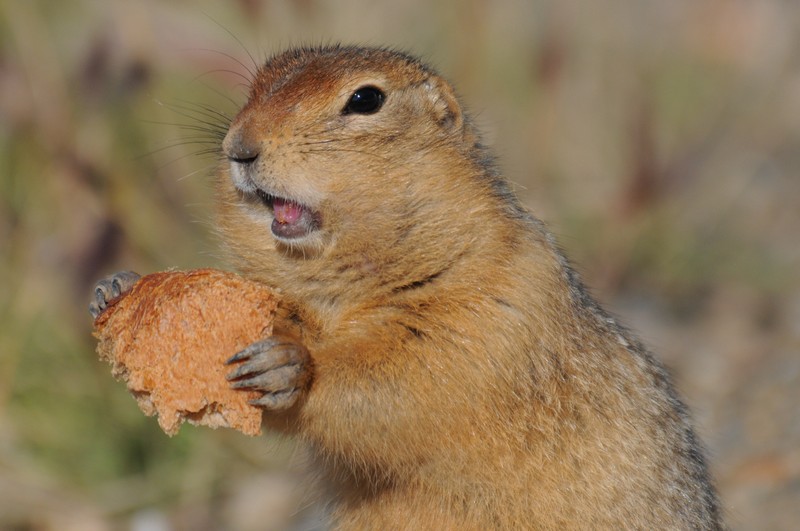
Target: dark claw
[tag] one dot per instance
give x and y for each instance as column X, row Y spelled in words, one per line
column 275, row 366
column 116, row 289
column 248, row 352
column 281, row 352
column 276, row 401
column 269, row 381
column 243, row 370
column 123, row 281
column 110, row 288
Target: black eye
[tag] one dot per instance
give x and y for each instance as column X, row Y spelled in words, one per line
column 366, row 100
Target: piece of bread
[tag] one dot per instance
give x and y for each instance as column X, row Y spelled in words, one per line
column 169, row 336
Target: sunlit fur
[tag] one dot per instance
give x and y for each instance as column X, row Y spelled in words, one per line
column 462, row 377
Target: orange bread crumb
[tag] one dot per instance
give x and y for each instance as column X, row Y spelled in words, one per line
column 168, row 339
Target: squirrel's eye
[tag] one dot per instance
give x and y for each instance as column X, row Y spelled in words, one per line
column 366, row 100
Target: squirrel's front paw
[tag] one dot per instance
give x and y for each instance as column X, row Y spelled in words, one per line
column 276, row 366
column 110, row 288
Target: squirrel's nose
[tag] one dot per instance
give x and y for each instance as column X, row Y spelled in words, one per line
column 238, row 148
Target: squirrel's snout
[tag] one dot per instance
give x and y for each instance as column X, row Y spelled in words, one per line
column 239, row 147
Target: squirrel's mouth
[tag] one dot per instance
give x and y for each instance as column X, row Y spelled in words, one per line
column 291, row 220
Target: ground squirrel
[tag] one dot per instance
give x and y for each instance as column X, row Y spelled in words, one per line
column 437, row 352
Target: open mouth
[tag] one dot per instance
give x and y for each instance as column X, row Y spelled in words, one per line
column 291, row 220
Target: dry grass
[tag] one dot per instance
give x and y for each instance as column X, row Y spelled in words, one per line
column 659, row 139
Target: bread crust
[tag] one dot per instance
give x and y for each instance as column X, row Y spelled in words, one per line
column 168, row 338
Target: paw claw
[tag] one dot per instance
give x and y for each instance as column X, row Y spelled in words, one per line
column 116, row 290
column 242, row 371
column 274, row 366
column 251, row 351
column 276, row 401
column 110, row 288
column 233, row 359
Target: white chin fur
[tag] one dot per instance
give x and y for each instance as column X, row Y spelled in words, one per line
column 240, row 179
column 308, row 246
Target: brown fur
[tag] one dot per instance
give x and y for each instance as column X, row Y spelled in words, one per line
column 462, row 378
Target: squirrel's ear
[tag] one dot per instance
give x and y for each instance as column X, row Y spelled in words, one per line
column 445, row 105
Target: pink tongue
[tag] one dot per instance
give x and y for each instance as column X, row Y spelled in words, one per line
column 286, row 211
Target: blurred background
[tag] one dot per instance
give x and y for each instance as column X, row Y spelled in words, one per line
column 659, row 140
